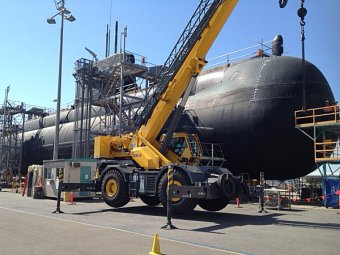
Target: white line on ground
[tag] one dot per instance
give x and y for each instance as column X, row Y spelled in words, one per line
column 126, row 231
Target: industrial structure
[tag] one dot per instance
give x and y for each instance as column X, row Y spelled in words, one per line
column 13, row 116
column 106, row 97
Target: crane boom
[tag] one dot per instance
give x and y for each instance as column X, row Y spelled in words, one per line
column 184, row 63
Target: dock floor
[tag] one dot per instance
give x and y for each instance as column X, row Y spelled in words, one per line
column 27, row 226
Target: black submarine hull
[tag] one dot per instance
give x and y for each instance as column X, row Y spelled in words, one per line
column 248, row 107
column 252, row 115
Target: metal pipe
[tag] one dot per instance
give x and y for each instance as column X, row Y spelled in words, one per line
column 116, row 37
column 122, row 83
column 107, row 40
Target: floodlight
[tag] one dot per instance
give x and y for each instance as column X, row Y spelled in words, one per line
column 70, row 18
column 51, row 21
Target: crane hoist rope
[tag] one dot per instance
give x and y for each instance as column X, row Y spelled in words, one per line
column 302, row 12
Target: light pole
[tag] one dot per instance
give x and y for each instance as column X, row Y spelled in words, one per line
column 65, row 14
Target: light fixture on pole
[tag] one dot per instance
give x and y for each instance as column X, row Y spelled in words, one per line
column 65, row 14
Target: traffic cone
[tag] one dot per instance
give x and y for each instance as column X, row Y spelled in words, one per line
column 238, row 202
column 71, row 199
column 156, row 249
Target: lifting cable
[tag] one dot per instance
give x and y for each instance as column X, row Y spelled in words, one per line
column 302, row 12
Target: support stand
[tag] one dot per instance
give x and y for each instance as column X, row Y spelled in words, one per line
column 61, row 178
column 17, row 183
column 261, row 202
column 261, row 196
column 170, row 174
column 57, row 210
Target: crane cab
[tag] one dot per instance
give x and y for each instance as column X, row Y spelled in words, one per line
column 184, row 148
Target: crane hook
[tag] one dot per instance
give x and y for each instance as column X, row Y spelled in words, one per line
column 283, row 3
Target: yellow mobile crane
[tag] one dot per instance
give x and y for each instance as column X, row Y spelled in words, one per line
column 135, row 164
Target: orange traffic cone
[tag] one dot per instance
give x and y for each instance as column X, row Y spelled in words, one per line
column 71, row 199
column 238, row 202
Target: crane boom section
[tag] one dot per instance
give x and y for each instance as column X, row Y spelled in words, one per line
column 192, row 66
column 184, row 62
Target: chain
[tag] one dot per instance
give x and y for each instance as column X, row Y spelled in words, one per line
column 302, row 12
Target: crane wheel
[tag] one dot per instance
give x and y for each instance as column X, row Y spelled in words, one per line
column 150, row 201
column 115, row 189
column 227, row 186
column 243, row 192
column 179, row 205
column 213, row 205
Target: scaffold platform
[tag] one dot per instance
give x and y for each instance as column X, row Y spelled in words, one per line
column 322, row 125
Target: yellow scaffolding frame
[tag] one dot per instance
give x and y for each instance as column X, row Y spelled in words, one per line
column 325, row 125
column 314, row 116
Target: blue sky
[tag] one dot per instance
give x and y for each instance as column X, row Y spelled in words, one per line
column 29, row 47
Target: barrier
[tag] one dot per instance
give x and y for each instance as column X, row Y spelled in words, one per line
column 170, row 174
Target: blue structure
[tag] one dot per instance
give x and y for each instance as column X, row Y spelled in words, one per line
column 330, row 190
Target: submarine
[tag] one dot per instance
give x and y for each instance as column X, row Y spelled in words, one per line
column 247, row 106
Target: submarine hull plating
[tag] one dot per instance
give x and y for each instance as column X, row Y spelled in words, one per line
column 248, row 107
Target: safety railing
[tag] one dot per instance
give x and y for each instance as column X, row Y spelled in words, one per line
column 327, row 150
column 322, row 115
column 212, row 154
column 261, row 49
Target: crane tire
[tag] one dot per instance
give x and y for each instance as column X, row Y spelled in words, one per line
column 213, row 205
column 227, row 185
column 243, row 192
column 179, row 206
column 150, row 201
column 115, row 190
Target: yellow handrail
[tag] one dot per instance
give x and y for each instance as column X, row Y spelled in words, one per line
column 320, row 115
column 327, row 150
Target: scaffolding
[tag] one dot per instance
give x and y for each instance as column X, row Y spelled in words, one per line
column 322, row 125
column 12, row 115
column 108, row 92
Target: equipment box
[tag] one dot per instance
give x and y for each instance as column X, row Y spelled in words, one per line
column 278, row 198
column 72, row 172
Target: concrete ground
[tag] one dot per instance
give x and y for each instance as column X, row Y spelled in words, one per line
column 27, row 226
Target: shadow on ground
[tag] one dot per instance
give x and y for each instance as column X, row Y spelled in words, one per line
column 222, row 220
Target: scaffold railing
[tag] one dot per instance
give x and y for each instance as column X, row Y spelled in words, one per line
column 327, row 151
column 317, row 116
column 212, row 154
